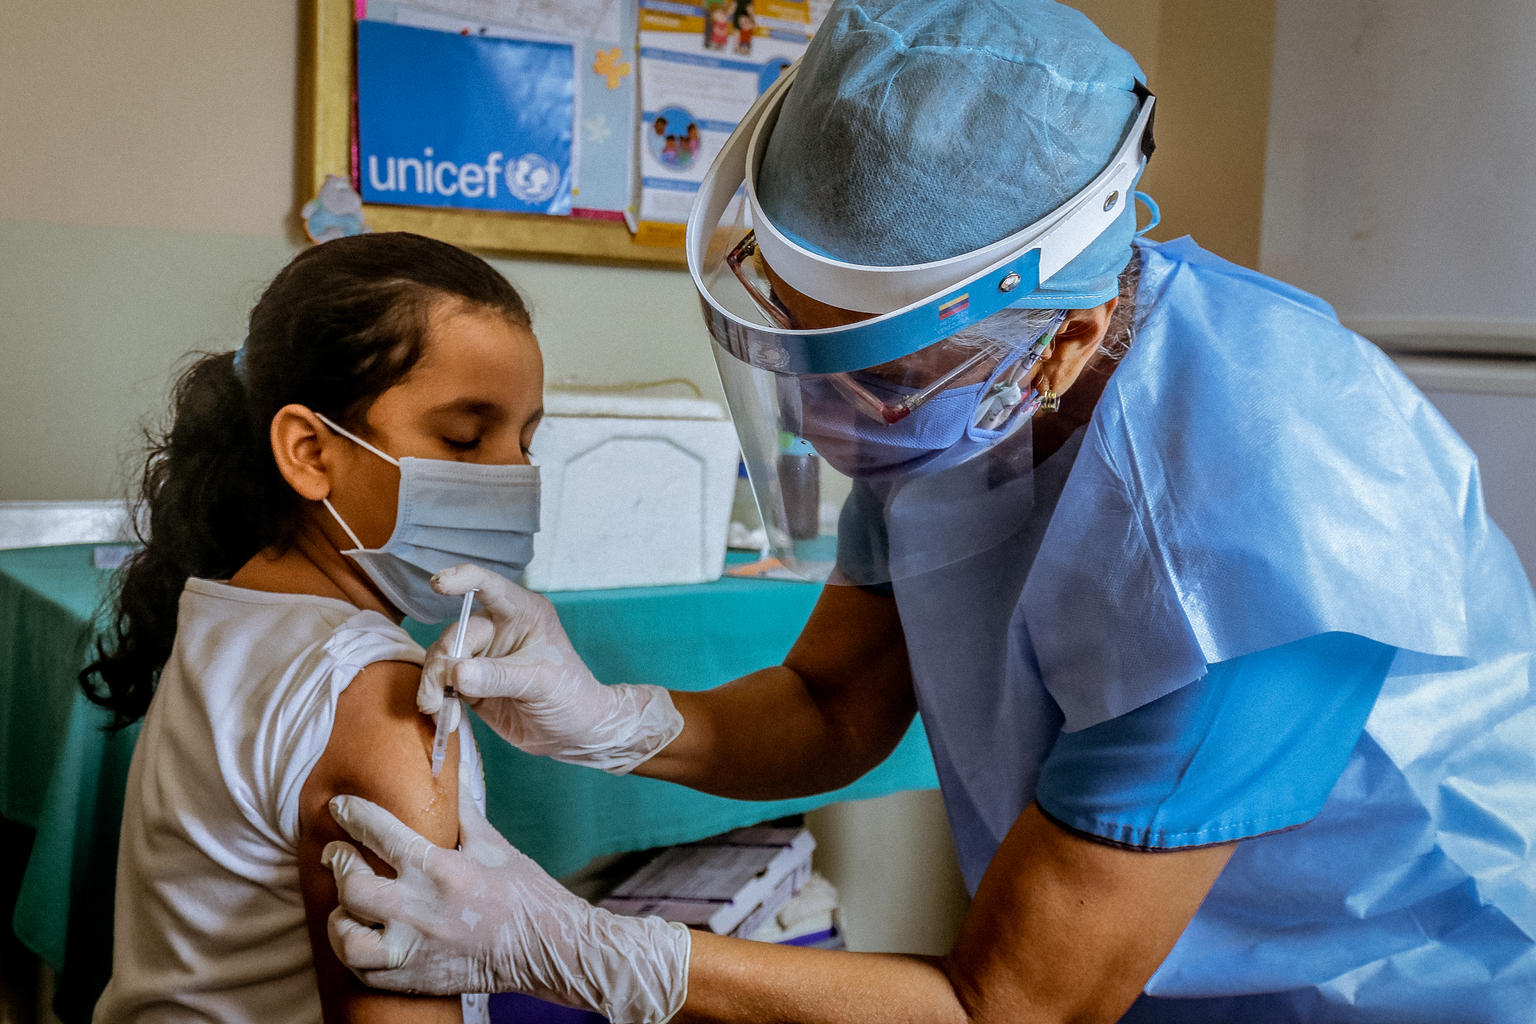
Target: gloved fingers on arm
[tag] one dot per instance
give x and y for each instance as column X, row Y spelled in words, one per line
column 362, row 893
column 382, row 832
column 487, row 918
column 357, row 945
column 437, row 670
column 477, row 836
column 481, row 842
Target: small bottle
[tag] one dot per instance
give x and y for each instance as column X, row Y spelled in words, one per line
column 743, row 504
column 800, row 477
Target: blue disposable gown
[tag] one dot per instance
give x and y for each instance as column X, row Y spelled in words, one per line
column 1255, row 475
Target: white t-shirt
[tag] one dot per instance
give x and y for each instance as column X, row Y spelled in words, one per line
column 209, row 922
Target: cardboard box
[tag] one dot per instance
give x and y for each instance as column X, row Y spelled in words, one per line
column 731, row 884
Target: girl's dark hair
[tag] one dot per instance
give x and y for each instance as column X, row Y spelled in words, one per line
column 339, row 325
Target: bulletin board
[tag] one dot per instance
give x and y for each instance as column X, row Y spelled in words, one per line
column 329, row 74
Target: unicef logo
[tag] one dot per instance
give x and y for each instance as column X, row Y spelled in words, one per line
column 533, row 179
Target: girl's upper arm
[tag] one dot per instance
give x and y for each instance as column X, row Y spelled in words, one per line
column 380, row 748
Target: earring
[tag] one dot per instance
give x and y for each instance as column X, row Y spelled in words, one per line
column 1049, row 401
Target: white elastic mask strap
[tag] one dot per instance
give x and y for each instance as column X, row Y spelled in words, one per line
column 357, row 545
column 344, row 432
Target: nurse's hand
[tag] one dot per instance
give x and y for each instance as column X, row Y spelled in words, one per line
column 530, row 686
column 486, row 918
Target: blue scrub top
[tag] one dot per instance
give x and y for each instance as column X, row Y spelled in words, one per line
column 1257, row 597
column 1253, row 747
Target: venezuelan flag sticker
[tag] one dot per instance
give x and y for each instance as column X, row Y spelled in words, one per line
column 959, row 304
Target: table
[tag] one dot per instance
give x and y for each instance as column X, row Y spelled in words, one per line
column 64, row 774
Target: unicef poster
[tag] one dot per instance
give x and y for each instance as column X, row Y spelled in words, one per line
column 462, row 121
column 702, row 65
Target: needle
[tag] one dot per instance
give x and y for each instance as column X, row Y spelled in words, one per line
column 440, row 736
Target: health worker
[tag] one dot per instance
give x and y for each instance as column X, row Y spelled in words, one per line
column 1226, row 672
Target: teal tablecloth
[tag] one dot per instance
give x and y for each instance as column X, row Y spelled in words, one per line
column 65, row 775
column 46, row 599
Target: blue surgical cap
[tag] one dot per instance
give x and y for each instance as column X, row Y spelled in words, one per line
column 919, row 130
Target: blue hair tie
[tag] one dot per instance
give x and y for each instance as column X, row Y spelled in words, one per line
column 240, row 362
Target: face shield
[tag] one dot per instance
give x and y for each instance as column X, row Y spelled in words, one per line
column 891, row 438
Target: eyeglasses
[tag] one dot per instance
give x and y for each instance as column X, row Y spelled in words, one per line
column 746, row 262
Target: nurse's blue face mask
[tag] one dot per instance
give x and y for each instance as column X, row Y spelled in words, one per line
column 447, row 513
column 960, row 420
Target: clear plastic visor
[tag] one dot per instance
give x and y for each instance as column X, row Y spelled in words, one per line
column 920, row 375
column 848, row 498
column 882, row 445
column 886, row 471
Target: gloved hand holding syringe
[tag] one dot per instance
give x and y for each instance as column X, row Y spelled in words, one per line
column 448, row 714
column 515, row 665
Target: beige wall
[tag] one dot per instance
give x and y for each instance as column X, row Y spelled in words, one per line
column 172, row 115
column 146, row 193
column 1213, row 69
column 1208, row 62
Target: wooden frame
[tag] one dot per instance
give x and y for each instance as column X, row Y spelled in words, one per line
column 326, row 68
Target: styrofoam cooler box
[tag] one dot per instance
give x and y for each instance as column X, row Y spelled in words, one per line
column 636, row 491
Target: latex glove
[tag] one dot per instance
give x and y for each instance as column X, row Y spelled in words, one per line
column 528, row 685
column 486, row 918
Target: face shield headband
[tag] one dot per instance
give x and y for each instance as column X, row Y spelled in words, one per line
column 915, row 305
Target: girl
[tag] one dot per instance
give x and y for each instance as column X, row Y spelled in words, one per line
column 383, row 401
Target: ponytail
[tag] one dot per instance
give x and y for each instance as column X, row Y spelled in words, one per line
column 210, row 497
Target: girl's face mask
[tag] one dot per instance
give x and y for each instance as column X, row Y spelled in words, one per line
column 448, row 512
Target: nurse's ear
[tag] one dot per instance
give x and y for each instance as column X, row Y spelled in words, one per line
column 1077, row 342
column 299, row 445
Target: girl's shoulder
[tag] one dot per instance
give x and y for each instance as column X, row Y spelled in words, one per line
column 266, row 627
column 261, row 675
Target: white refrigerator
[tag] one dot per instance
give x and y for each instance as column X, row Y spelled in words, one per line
column 1400, row 186
column 1492, row 403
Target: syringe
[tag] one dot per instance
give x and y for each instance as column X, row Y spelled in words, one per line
column 444, row 713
